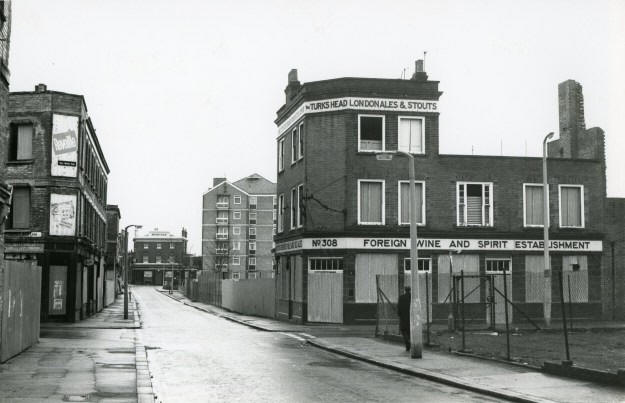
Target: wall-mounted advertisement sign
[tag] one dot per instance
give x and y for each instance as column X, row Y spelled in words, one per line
column 62, row 214
column 57, row 290
column 359, row 103
column 512, row 245
column 64, row 145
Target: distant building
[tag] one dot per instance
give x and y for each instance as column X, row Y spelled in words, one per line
column 59, row 177
column 158, row 257
column 238, row 224
column 113, row 253
column 343, row 215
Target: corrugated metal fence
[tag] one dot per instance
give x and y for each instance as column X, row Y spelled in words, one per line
column 21, row 295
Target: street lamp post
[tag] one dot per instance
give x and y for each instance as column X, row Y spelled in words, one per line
column 416, row 334
column 126, row 267
column 547, row 265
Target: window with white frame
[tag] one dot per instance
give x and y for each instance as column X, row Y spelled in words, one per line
column 222, row 217
column 371, row 202
column 222, row 232
column 253, row 201
column 158, row 246
column 281, row 155
column 325, row 263
column 172, row 245
column 294, row 208
column 236, row 275
column 145, row 246
column 424, row 264
column 294, row 146
column 252, row 232
column 498, row 265
column 251, row 261
column 281, row 213
column 474, row 201
column 236, row 230
column 223, row 201
column 237, row 199
column 145, row 259
column 300, row 206
column 301, row 141
column 236, row 260
column 411, row 135
column 236, row 215
column 571, row 206
column 252, row 245
column 253, row 216
column 236, row 245
column 158, row 259
column 533, row 204
column 404, row 202
column 370, row 133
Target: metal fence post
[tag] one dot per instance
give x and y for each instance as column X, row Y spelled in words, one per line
column 505, row 304
column 566, row 334
column 568, row 280
column 427, row 307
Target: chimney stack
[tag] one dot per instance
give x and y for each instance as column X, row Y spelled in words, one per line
column 217, row 181
column 293, row 86
column 419, row 73
column 572, row 122
column 41, row 88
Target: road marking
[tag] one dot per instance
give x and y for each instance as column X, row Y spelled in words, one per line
column 308, row 335
column 293, row 336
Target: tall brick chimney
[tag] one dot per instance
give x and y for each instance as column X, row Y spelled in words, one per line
column 571, row 111
column 292, row 87
column 419, row 73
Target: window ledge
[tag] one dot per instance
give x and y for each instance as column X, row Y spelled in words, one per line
column 17, row 230
column 474, row 226
column 21, row 162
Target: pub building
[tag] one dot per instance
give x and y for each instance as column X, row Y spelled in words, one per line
column 343, row 217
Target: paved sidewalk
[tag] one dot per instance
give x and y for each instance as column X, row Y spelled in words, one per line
column 97, row 360
column 505, row 381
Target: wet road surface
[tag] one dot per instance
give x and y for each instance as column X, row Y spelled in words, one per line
column 197, row 357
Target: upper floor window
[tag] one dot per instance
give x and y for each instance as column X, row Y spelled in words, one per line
column 21, row 142
column 236, row 230
column 404, row 202
column 370, row 133
column 571, row 206
column 222, row 201
column 158, row 259
column 281, row 213
column 474, row 202
column 533, row 204
column 222, row 217
column 281, row 155
column 19, row 216
column 237, row 199
column 252, row 245
column 145, row 259
column 172, row 245
column 297, row 210
column 253, row 215
column 294, row 208
column 236, row 260
column 294, row 146
column 300, row 205
column 158, row 246
column 236, row 215
column 145, row 246
column 236, row 245
column 411, row 135
column 253, row 202
column 301, row 141
column 371, row 202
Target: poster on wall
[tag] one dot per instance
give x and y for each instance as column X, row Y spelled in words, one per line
column 62, row 214
column 64, row 145
column 58, row 290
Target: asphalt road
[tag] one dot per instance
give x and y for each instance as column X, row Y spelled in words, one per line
column 197, row 357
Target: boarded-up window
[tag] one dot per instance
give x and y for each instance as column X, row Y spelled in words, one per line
column 533, row 205
column 571, row 205
column 534, row 278
column 368, row 266
column 404, row 202
column 467, row 263
column 575, row 278
column 20, row 208
column 371, row 202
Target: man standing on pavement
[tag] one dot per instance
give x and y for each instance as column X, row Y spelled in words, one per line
column 403, row 311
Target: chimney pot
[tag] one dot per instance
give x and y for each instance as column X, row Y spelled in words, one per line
column 418, row 66
column 293, row 76
column 41, row 88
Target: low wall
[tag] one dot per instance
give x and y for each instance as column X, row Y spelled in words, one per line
column 21, row 294
column 250, row 297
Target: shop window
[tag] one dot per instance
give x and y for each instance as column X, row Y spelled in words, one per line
column 19, row 217
column 411, row 135
column 21, row 142
column 474, row 204
column 404, row 202
column 325, row 264
column 533, row 205
column 571, row 206
column 370, row 133
column 371, row 202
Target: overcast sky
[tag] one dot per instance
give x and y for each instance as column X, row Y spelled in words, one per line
column 184, row 91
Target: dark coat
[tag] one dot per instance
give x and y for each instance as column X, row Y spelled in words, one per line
column 403, row 310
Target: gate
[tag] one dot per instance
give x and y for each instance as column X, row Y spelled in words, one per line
column 325, row 296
